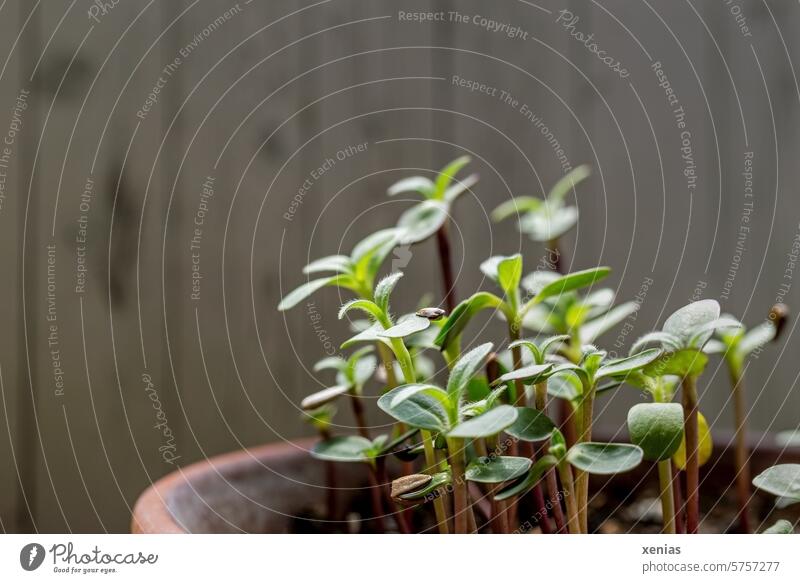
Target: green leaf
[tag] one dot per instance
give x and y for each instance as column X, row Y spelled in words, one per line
column 549, row 224
column 758, row 336
column 572, row 281
column 490, row 423
column 780, row 527
column 406, row 327
column 363, row 369
column 339, row 263
column 418, row 184
column 531, row 425
column 657, row 428
column 703, row 332
column 384, row 289
column 683, row 322
column 367, row 306
column 665, row 340
column 304, row 291
column 447, row 174
column 465, row 368
column 604, row 458
column 460, row 187
column 422, row 221
column 462, row 314
column 517, row 205
column 368, row 255
column 565, row 386
column 322, row 397
column 347, row 448
column 781, row 480
column 371, row 334
column 422, row 406
column 567, row 183
column 509, row 273
column 498, row 469
column 623, row 366
column 592, row 330
column 542, row 465
column 331, row 362
column 533, row 348
column 682, row 363
column 532, row 374
column 715, row 347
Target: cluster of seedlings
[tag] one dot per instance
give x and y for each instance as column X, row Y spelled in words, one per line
column 487, row 436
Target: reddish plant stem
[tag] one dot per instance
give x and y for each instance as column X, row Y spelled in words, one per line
column 445, row 261
column 677, row 493
column 550, row 477
column 689, row 397
column 399, row 515
column 358, row 413
column 743, row 491
column 331, row 502
column 376, row 499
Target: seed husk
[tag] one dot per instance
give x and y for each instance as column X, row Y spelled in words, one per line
column 431, row 313
column 410, row 483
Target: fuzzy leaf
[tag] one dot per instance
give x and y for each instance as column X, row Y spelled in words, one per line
column 532, row 374
column 593, row 329
column 371, row 308
column 465, row 368
column 758, row 336
column 548, row 224
column 495, row 470
column 418, row 184
column 338, row 263
column 460, row 187
column 406, row 327
column 418, row 406
column 681, row 363
column 567, row 183
column 621, row 367
column 780, row 527
column 518, row 205
column 299, row 294
column 564, row 386
column 531, row 425
column 331, row 362
column 447, row 174
column 665, row 340
column 322, row 397
column 422, row 221
column 781, row 480
column 542, row 465
column 604, row 458
column 657, row 428
column 371, row 334
column 683, row 322
column 572, row 281
column 348, row 448
column 384, row 289
column 490, row 423
column 702, row 333
column 462, row 314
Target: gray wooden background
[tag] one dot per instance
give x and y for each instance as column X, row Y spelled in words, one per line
column 263, row 93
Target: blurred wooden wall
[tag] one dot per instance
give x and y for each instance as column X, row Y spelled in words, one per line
column 274, row 89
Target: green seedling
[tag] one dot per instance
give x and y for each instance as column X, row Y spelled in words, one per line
column 578, row 383
column 582, row 459
column 782, row 481
column 431, row 216
column 682, row 338
column 657, row 428
column 546, row 220
column 736, row 345
column 445, row 412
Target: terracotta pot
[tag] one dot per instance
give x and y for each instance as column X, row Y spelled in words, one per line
column 264, row 489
